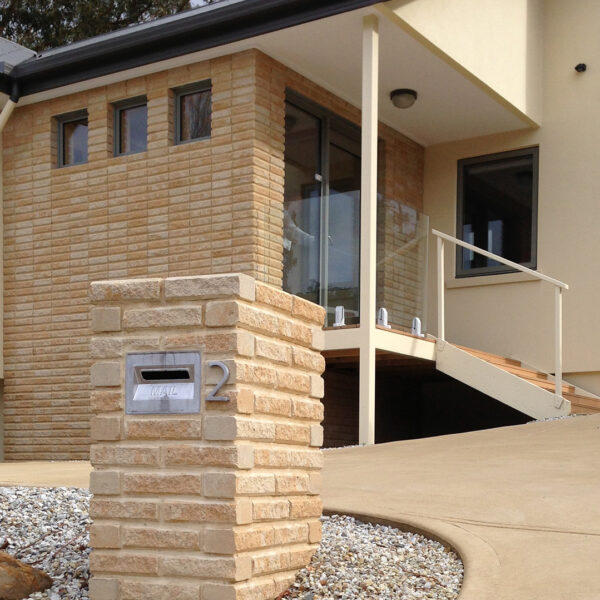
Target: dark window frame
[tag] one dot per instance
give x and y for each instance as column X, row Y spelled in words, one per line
column 533, row 152
column 61, row 121
column 186, row 90
column 118, row 108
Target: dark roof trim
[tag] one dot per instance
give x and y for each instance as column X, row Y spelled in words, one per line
column 144, row 45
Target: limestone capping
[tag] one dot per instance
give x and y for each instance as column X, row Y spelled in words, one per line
column 220, row 505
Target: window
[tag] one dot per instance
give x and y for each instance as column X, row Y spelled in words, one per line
column 192, row 112
column 131, row 126
column 72, row 138
column 497, row 211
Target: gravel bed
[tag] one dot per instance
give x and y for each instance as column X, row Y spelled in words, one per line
column 48, row 528
column 360, row 561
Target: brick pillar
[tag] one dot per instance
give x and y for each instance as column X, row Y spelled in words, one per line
column 223, row 504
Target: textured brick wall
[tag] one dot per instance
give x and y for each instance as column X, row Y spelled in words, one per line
column 223, row 504
column 196, row 208
column 211, row 206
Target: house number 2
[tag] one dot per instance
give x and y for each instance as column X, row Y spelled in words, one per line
column 212, row 395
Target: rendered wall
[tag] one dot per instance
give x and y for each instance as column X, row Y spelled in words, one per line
column 223, row 504
column 498, row 42
column 517, row 319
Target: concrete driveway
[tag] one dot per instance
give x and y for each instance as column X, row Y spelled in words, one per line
column 520, row 504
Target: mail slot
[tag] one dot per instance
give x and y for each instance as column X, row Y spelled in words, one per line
column 162, row 383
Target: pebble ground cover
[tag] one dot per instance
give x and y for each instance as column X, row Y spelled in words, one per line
column 48, row 528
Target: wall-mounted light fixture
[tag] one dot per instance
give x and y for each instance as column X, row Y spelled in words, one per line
column 403, row 97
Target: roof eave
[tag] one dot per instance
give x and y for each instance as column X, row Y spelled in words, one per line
column 200, row 31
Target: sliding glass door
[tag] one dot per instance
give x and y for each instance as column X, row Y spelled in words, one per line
column 321, row 245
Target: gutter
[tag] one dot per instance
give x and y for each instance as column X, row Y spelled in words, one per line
column 143, row 45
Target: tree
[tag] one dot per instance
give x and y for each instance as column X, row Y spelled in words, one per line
column 44, row 24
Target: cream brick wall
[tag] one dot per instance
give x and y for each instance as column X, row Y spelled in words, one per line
column 223, row 504
column 210, row 206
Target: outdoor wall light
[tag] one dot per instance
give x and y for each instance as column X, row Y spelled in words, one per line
column 403, row 98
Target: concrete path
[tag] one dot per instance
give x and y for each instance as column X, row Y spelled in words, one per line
column 521, row 504
column 46, row 474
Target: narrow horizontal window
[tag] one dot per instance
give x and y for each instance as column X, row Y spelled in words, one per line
column 131, row 126
column 497, row 211
column 72, row 139
column 193, row 112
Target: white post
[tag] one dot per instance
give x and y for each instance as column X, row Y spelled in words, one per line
column 368, row 228
column 441, row 329
column 558, row 341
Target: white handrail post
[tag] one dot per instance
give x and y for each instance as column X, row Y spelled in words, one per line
column 558, row 341
column 440, row 289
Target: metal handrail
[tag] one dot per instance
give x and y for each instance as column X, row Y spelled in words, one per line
column 559, row 286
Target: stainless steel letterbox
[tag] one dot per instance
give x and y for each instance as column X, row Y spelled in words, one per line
column 162, row 383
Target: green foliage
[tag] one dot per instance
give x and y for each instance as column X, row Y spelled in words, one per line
column 44, row 24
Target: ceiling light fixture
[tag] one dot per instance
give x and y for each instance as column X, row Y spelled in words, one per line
column 403, row 97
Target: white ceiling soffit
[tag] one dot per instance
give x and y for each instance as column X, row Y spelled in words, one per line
column 329, row 52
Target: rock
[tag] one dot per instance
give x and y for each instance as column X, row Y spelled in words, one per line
column 18, row 580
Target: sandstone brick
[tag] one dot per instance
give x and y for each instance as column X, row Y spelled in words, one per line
column 295, row 332
column 116, row 347
column 281, row 458
column 105, row 536
column 106, row 319
column 105, row 428
column 167, row 590
column 124, row 290
column 289, row 433
column 254, row 429
column 308, row 311
column 220, row 428
column 311, row 361
column 217, row 456
column 318, row 339
column 102, row 401
column 292, row 483
column 104, row 508
column 255, row 484
column 162, row 483
column 317, row 386
column 219, row 485
column 303, row 507
column 300, row 557
column 125, row 455
column 219, row 591
column 105, row 483
column 270, row 510
column 221, row 314
column 210, row 286
column 204, row 512
column 314, row 532
column 273, row 405
column 274, row 351
column 219, row 541
column 316, row 435
column 273, row 297
column 290, row 533
column 163, row 428
column 106, row 374
column 179, row 316
column 131, row 564
column 254, row 536
column 155, row 538
column 310, row 410
column 234, row 569
column 293, row 381
column 270, row 562
column 104, row 588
